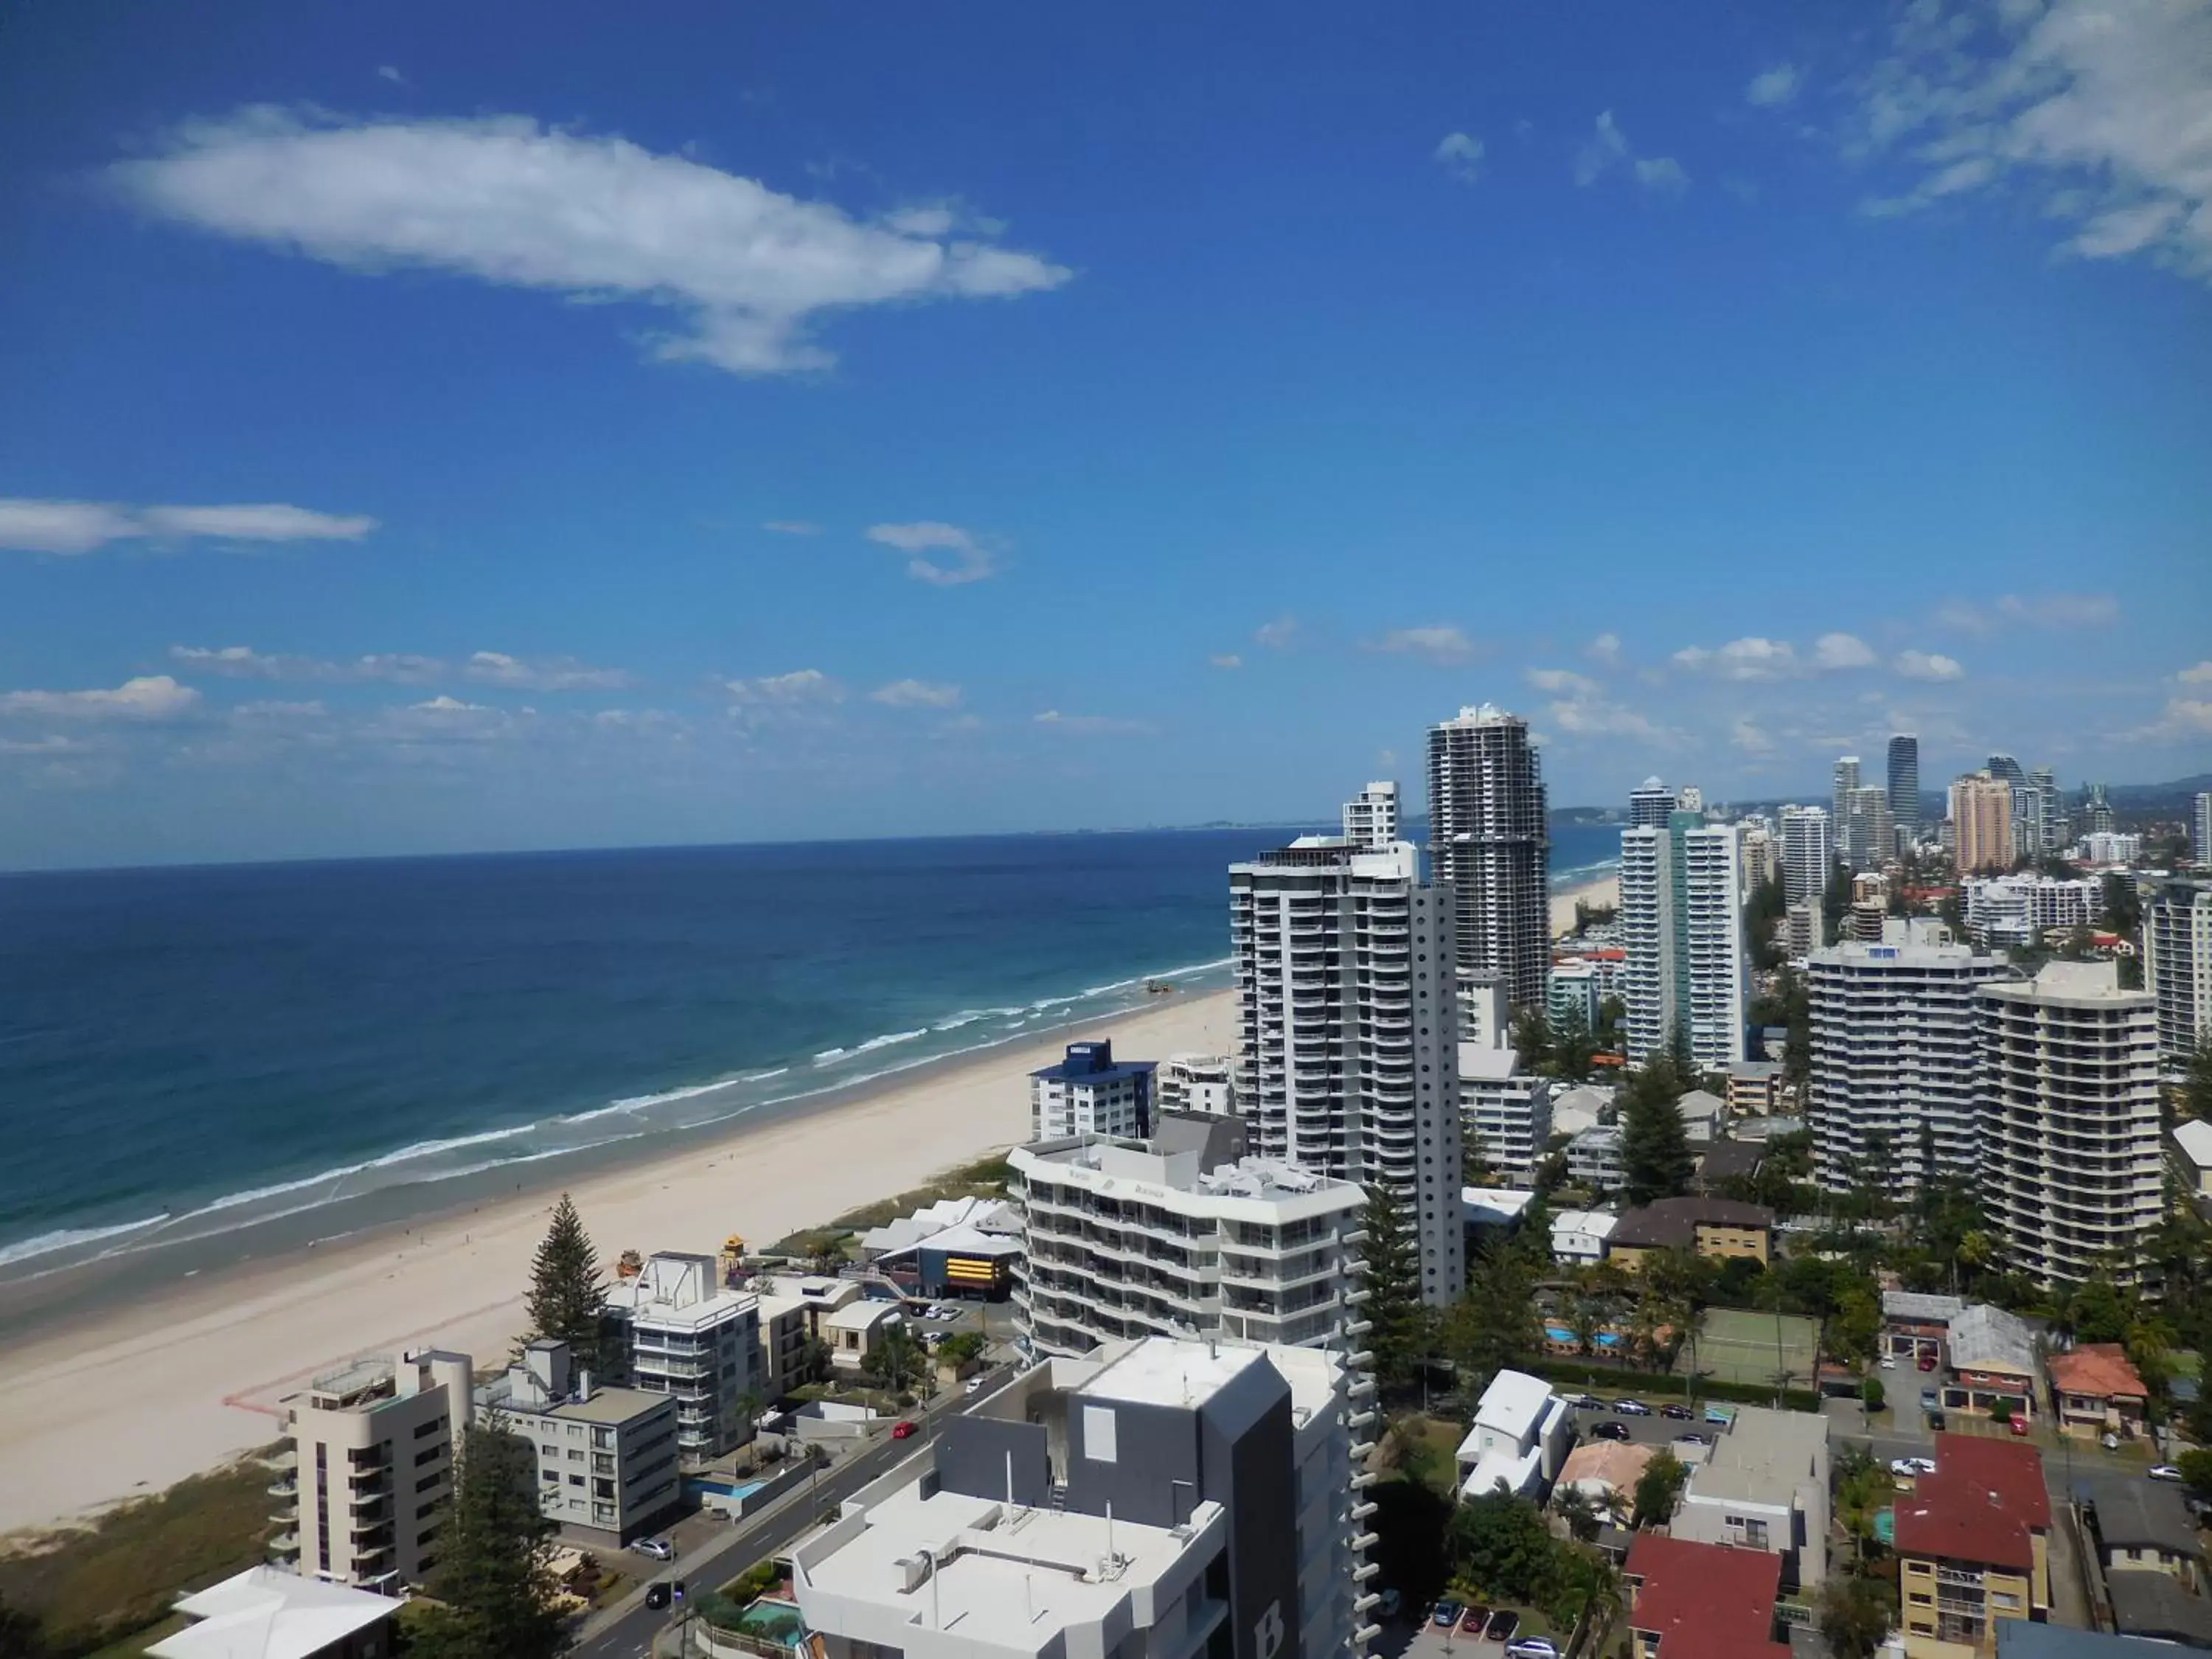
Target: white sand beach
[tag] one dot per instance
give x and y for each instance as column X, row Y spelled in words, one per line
column 129, row 1402
column 1595, row 893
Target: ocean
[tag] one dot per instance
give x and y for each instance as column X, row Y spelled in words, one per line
column 185, row 1053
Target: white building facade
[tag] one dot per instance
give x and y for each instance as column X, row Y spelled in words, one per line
column 681, row 1333
column 2017, row 911
column 1490, row 841
column 1507, row 1111
column 1681, row 918
column 2176, row 936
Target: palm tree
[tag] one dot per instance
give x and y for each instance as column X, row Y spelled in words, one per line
column 1574, row 1507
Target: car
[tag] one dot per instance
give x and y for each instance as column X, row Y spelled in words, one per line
column 974, row 1385
column 659, row 1549
column 903, row 1429
column 1927, row 1362
column 1888, row 1362
column 1390, row 1602
column 1446, row 1615
column 2165, row 1472
column 1631, row 1408
column 2020, row 1428
column 1692, row 1438
column 656, row 1596
column 1503, row 1624
column 1532, row 1647
column 1936, row 1421
column 1610, row 1431
column 1724, row 1415
column 1472, row 1621
column 1677, row 1414
column 1912, row 1465
column 1586, row 1402
column 2110, row 1442
column 1930, row 1399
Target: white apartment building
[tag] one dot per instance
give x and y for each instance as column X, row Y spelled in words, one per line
column 2016, row 911
column 2067, row 1107
column 681, row 1333
column 2200, row 832
column 2176, row 936
column 1805, row 854
column 1681, row 916
column 1184, row 1235
column 1347, row 1064
column 1196, row 1083
column 2109, row 847
column 1519, row 1438
column 1593, row 1160
column 1891, row 1084
column 1371, row 817
column 1088, row 1093
column 1508, row 1111
column 1578, row 1236
column 607, row 1465
column 1161, row 1500
column 1485, row 1019
column 1867, row 831
column 1650, row 804
column 365, row 1487
column 1845, row 784
column 1575, row 991
column 1490, row 842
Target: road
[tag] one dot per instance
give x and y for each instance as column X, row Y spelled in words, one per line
column 627, row 1629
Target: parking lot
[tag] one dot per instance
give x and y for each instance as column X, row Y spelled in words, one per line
column 1404, row 1640
column 1656, row 1430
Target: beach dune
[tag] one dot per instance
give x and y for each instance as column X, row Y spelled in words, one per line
column 135, row 1398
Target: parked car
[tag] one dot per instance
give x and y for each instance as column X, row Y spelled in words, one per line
column 1446, row 1615
column 659, row 1549
column 1930, row 1399
column 1586, row 1402
column 1610, row 1431
column 1631, row 1408
column 1693, row 1439
column 1927, row 1362
column 1724, row 1415
column 1532, row 1647
column 1888, row 1362
column 2110, row 1442
column 1912, row 1465
column 1936, row 1421
column 1390, row 1603
column 1503, row 1624
column 1679, row 1413
column 903, row 1429
column 1472, row 1621
column 2165, row 1472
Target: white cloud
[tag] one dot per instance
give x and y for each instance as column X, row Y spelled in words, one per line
column 1841, row 651
column 1607, row 147
column 1596, row 717
column 746, row 269
column 973, row 560
column 1928, row 665
column 1228, row 659
column 1748, row 658
column 2184, row 719
column 1439, row 642
column 388, row 72
column 240, row 662
column 1563, row 680
column 793, row 526
column 1278, row 635
column 1746, row 735
column 1460, row 153
column 1771, row 88
column 70, row 528
column 146, row 697
column 1605, row 648
column 2102, row 108
column 2201, row 674
column 2040, row 610
column 801, row 686
column 916, row 693
column 1088, row 725
column 541, row 674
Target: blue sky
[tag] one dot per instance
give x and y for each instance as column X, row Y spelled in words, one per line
column 513, row 427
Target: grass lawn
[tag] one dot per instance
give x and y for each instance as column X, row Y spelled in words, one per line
column 138, row 1641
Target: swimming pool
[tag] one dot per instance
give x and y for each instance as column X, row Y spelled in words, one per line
column 723, row 1488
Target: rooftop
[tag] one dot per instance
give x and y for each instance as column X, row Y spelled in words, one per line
column 1617, row 1464
column 2019, row 1639
column 2135, row 1514
column 265, row 1613
column 1494, row 1205
column 1698, row 1104
column 1984, row 1501
column 904, row 1232
column 1598, row 1222
column 678, row 1291
column 2194, row 1137
column 2097, row 1368
column 1513, row 1404
column 1723, row 1158
column 2161, row 1608
column 1921, row 1307
column 1706, row 1601
column 1094, row 1063
column 1480, row 1065
column 1765, row 1457
column 1190, row 1178
column 1987, row 1339
column 1673, row 1223
column 2071, row 984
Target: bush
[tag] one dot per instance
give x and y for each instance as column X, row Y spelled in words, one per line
column 1871, row 1394
column 1583, row 1373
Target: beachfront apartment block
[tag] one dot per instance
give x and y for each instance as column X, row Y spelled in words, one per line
column 2067, row 1110
column 1890, row 1091
column 1348, row 1056
column 1196, row 1083
column 607, row 1462
column 1183, row 1234
column 1490, row 842
column 1371, row 817
column 676, row 1330
column 2176, row 937
column 1681, row 916
column 1159, row 1500
column 364, row 1491
column 1506, row 1111
column 1088, row 1093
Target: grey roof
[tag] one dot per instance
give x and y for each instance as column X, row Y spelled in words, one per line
column 1766, row 1458
column 2019, row 1639
column 1723, row 1158
column 1217, row 1140
column 1921, row 1305
column 2153, row 1604
column 1986, row 1339
column 1698, row 1104
column 2135, row 1514
column 1754, row 1070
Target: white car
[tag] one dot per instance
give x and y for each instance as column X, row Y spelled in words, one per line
column 659, row 1549
column 2166, row 1471
column 1532, row 1647
column 1888, row 1363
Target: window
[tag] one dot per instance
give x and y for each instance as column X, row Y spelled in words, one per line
column 551, row 1477
column 429, row 1456
column 575, row 1479
column 429, row 1481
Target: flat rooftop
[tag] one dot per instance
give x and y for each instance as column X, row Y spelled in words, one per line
column 606, row 1405
column 1162, row 1371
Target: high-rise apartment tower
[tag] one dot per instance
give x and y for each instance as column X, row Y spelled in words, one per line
column 1491, row 844
column 1681, row 915
column 1905, row 782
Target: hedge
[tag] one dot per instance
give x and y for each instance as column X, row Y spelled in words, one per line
column 1589, row 1376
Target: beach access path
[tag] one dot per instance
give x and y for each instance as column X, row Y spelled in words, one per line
column 135, row 1397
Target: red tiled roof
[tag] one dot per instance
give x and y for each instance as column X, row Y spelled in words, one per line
column 1706, row 1601
column 2099, row 1369
column 1983, row 1503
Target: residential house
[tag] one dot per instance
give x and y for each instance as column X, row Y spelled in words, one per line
column 265, row 1613
column 1579, row 1237
column 2192, row 1141
column 855, row 1332
column 1492, row 1209
column 1765, row 1486
column 1694, row 1601
column 1605, row 1472
column 2140, row 1527
column 792, row 1308
column 1973, row 1546
column 1724, row 1161
column 1915, row 1325
column 1593, row 1160
column 2156, row 1608
column 1583, row 1107
column 1991, row 1363
column 1755, row 1087
column 1717, row 1227
column 1766, row 1129
column 1519, row 1438
column 2095, row 1391
column 1702, row 1115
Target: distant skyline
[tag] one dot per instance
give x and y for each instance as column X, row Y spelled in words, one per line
column 520, row 429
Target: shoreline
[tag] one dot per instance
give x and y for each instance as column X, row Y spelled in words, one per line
column 85, row 1422
column 1603, row 891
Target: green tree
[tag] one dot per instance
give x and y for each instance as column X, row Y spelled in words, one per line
column 2099, row 1311
column 1573, row 1046
column 1863, row 1489
column 1658, row 1488
column 1855, row 1615
column 567, row 1301
column 1399, row 1340
column 2195, row 1466
column 1573, row 1506
column 896, row 1360
column 2120, row 910
column 2196, row 1083
column 493, row 1582
column 1500, row 1543
column 1654, row 1146
column 1532, row 1038
column 1493, row 1325
column 1871, row 1394
column 1476, row 1169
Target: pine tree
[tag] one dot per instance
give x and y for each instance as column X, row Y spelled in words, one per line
column 1654, row 1147
column 567, row 1300
column 494, row 1582
column 1399, row 1340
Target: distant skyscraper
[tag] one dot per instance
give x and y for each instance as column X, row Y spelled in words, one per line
column 2051, row 828
column 2177, row 938
column 1490, row 841
column 1649, row 804
column 1681, row 917
column 2200, row 842
column 1806, row 855
column 1981, row 812
column 1371, row 817
column 2005, row 767
column 1867, row 828
column 1839, row 811
column 1348, row 1063
column 2098, row 809
column 1905, row 782
column 1691, row 799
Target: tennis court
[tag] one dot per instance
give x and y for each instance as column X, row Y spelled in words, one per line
column 1735, row 1345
